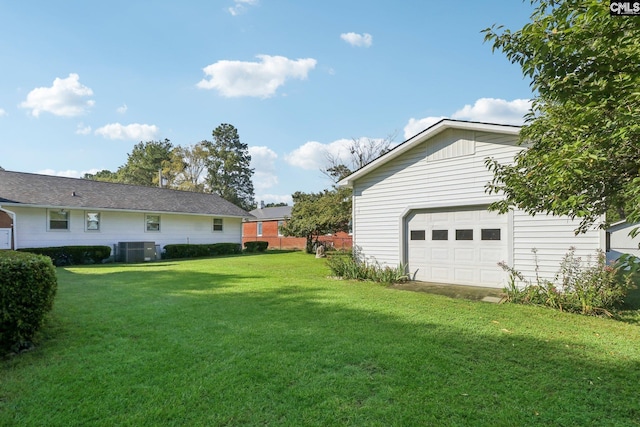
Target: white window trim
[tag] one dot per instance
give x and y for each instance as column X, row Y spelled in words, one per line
column 58, row 230
column 259, row 228
column 86, row 221
column 146, row 223
column 280, row 224
column 213, row 225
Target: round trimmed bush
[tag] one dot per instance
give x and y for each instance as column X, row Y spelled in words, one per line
column 28, row 286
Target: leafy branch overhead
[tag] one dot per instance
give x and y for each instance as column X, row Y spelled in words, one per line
column 583, row 132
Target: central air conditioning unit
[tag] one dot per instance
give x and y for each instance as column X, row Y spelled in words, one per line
column 136, row 251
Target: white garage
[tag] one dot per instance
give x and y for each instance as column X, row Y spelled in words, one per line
column 462, row 246
column 424, row 205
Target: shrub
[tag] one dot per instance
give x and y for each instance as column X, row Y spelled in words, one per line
column 208, row 249
column 28, row 286
column 347, row 266
column 67, row 255
column 593, row 289
column 256, row 246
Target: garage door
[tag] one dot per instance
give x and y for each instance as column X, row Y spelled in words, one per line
column 457, row 247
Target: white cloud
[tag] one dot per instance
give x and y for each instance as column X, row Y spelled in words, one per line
column 67, row 97
column 83, row 130
column 259, row 79
column 134, row 131
column 263, row 161
column 241, row 6
column 70, row 173
column 3, row 112
column 487, row 110
column 415, row 126
column 492, row 110
column 314, row 155
column 122, row 109
column 359, row 40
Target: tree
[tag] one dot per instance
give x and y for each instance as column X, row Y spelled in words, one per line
column 185, row 170
column 361, row 151
column 144, row 162
column 583, row 132
column 229, row 174
column 103, row 175
column 316, row 214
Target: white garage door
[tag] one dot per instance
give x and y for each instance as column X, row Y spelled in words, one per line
column 457, row 247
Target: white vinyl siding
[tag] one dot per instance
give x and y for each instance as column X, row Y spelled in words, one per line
column 440, row 173
column 115, row 226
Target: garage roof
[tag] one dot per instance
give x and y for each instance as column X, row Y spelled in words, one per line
column 419, row 138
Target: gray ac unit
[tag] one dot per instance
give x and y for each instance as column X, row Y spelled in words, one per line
column 136, row 251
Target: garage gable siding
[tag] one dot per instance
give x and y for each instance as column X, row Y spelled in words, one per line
column 383, row 197
column 445, row 173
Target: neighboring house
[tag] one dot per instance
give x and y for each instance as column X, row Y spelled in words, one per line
column 43, row 210
column 620, row 242
column 424, row 204
column 265, row 226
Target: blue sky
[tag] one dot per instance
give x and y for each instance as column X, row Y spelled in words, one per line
column 83, row 82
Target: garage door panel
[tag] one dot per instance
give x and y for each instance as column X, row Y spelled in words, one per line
column 463, row 255
column 439, row 254
column 448, row 260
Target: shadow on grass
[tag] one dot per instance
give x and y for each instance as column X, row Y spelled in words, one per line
column 300, row 354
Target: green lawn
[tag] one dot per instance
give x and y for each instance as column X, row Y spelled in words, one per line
column 271, row 340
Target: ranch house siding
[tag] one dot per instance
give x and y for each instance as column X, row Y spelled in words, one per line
column 32, row 229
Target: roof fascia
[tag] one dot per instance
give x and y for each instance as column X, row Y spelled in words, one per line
column 423, row 136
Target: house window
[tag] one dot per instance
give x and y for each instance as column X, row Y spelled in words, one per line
column 417, row 235
column 217, row 224
column 58, row 219
column 465, row 234
column 490, row 234
column 280, row 225
column 259, row 225
column 92, row 221
column 153, row 222
column 439, row 234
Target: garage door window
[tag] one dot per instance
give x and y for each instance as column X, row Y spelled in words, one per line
column 490, row 234
column 417, row 234
column 465, row 234
column 439, row 234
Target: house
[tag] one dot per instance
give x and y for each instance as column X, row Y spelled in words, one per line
column 424, row 205
column 42, row 210
column 619, row 240
column 265, row 226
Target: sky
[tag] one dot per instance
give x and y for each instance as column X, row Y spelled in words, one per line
column 82, row 82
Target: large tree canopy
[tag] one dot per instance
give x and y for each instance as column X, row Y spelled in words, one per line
column 583, row 133
column 229, row 174
column 316, row 214
column 144, row 162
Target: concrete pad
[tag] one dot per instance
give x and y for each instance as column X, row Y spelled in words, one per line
column 475, row 293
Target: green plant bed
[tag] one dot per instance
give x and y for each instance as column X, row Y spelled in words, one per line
column 273, row 340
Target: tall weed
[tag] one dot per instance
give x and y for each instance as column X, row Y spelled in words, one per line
column 591, row 288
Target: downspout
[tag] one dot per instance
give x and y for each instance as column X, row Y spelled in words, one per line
column 13, row 228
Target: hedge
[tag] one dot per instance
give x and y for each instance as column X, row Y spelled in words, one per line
column 208, row 249
column 67, row 255
column 256, row 246
column 28, row 286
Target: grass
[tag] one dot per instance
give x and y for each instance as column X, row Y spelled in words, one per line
column 271, row 340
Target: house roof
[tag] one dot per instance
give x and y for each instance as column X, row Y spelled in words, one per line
column 419, row 138
column 26, row 189
column 275, row 213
